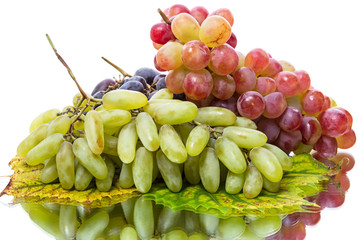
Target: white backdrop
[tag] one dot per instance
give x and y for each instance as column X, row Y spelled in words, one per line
column 320, row 37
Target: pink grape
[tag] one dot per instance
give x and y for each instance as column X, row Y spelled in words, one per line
column 326, row 146
column 288, row 141
column 157, row 46
column 185, row 27
column 327, row 103
column 245, row 79
column 199, row 13
column 177, row 9
column 269, row 127
column 304, row 81
column 232, row 40
column 334, row 122
column 273, row 68
column 175, row 79
column 265, row 85
column 215, row 31
column 251, row 104
column 156, row 65
column 225, row 13
column 348, row 161
column 257, row 59
column 161, row 33
column 195, row 55
column 198, row 84
column 224, row 86
column 290, row 120
column 223, row 60
column 169, row 56
column 310, row 130
column 287, row 83
column 241, row 61
column 347, row 140
column 349, row 117
column 312, row 101
column 286, row 66
column 275, row 105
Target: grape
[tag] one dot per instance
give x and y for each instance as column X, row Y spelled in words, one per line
column 253, row 182
column 209, row 169
column 175, row 113
column 251, row 104
column 272, row 69
column 198, row 84
column 304, row 81
column 199, row 13
column 215, row 116
column 33, row 139
column 68, row 222
column 347, row 140
column 175, row 79
column 103, row 86
column 94, row 132
column 275, row 105
column 168, row 219
column 229, row 103
column 157, row 46
column 291, row 219
column 287, row 83
column 114, row 118
column 156, row 65
column 312, row 101
column 234, row 182
column 162, row 94
column 133, row 86
column 177, row 9
column 169, row 56
column 265, row 226
column 49, row 173
column 160, row 84
column 310, row 218
column 195, row 55
column 245, row 122
column 126, row 179
column 215, row 31
column 44, row 117
column 232, row 40
column 197, row 140
column 147, row 131
column 104, row 185
column 245, row 137
column 349, row 117
column 176, row 234
column 225, row 13
column 310, row 130
column 191, row 169
column 224, row 86
column 288, row 141
column 267, row 163
column 198, row 236
column 128, row 232
column 271, row 186
column 326, row 146
column 93, row 163
column 124, row 99
column 231, row 228
column 287, row 66
column 270, row 128
column 144, row 218
column 138, row 79
column 142, row 169
column 171, row 144
column 346, row 159
column 245, row 79
column 334, row 122
column 223, row 59
column 241, row 60
column 93, row 226
column 294, row 102
column 161, row 33
column 230, row 155
column 61, row 124
column 331, row 197
column 128, row 138
column 47, row 148
column 65, row 165
column 185, row 27
column 265, row 85
column 290, row 120
column 281, row 156
column 257, row 59
column 170, row 172
column 82, row 178
column 208, row 223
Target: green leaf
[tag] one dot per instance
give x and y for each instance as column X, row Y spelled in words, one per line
column 303, row 180
column 25, row 186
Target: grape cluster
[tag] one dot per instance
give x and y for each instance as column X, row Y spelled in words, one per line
column 138, row 218
column 198, row 50
column 132, row 140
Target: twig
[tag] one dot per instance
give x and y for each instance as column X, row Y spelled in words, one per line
column 164, row 17
column 125, row 74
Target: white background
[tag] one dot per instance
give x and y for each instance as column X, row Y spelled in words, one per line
column 321, row 37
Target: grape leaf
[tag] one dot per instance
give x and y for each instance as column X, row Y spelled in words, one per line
column 303, row 180
column 25, row 186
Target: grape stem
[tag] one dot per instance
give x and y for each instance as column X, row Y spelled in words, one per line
column 164, row 17
column 125, row 74
column 68, row 69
